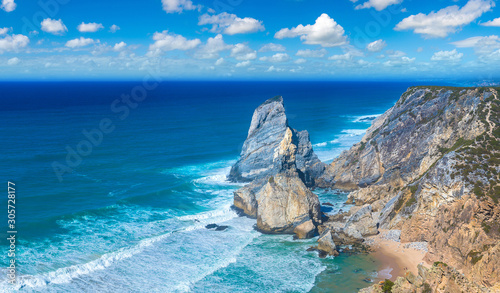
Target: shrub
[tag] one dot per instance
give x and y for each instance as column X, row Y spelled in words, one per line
column 387, row 286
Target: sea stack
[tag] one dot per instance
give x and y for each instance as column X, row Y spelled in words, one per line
column 279, row 163
column 260, row 157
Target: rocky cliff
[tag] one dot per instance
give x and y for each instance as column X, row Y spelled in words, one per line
column 280, row 164
column 264, row 152
column 430, row 167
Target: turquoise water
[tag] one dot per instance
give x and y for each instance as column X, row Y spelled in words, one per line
column 131, row 215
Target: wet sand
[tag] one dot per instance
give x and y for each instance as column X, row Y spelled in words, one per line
column 394, row 258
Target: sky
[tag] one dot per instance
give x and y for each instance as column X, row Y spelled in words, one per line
column 249, row 39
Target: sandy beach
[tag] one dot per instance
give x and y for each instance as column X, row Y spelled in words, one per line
column 396, row 260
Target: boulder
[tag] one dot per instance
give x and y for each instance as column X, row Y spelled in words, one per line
column 305, row 230
column 363, row 222
column 326, row 244
column 284, row 202
column 245, row 198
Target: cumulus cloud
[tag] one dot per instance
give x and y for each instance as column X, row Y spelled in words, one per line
column 472, row 42
column 376, row 46
column 13, row 43
column 119, row 46
column 53, row 26
column 230, row 24
column 212, row 48
column 486, row 48
column 271, row 47
column 13, row 61
column 278, row 57
column 445, row 21
column 300, row 61
column 90, row 27
column 219, row 61
column 166, row 41
column 114, row 28
column 243, row 64
column 398, row 62
column 4, row 31
column 494, row 22
column 312, row 53
column 78, row 43
column 325, row 32
column 447, row 56
column 274, row 69
column 377, row 4
column 8, row 5
column 243, row 53
column 177, row 6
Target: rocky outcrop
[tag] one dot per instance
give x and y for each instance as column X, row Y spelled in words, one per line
column 439, row 278
column 326, row 244
column 280, row 163
column 272, row 147
column 284, row 202
column 305, row 230
column 430, row 167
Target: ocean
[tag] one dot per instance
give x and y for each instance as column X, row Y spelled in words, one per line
column 122, row 205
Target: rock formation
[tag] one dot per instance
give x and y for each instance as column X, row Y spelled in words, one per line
column 266, row 152
column 430, row 167
column 278, row 162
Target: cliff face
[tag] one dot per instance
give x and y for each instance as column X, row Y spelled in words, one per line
column 429, row 166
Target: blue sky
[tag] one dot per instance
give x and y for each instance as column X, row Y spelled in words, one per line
column 243, row 39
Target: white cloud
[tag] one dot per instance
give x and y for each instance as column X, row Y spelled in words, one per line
column 397, row 62
column 114, row 28
column 377, row 4
column 53, row 26
column 278, row 57
column 8, row 5
column 173, row 6
column 78, row 43
column 230, row 24
column 487, row 48
column 272, row 47
column 274, row 69
column 445, row 21
column 119, row 46
column 13, row 43
column 91, row 27
column 395, row 54
column 242, row 52
column 325, row 32
column 376, row 46
column 312, row 53
column 4, row 31
column 212, row 48
column 219, row 61
column 448, row 56
column 494, row 22
column 243, row 64
column 166, row 41
column 300, row 61
column 13, row 61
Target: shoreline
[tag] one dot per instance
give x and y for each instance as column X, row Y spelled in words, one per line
column 395, row 259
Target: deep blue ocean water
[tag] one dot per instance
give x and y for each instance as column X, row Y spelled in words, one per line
column 130, row 216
